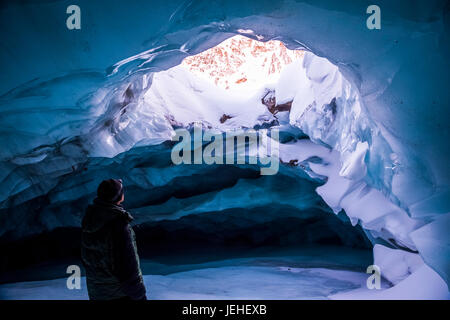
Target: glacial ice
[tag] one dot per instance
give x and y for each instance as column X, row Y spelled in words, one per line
column 234, row 282
column 423, row 284
column 396, row 264
column 375, row 104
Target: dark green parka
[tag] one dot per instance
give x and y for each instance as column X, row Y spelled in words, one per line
column 109, row 253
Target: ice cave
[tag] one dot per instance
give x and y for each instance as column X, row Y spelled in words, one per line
column 361, row 117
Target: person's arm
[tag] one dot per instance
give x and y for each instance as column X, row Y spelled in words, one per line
column 125, row 265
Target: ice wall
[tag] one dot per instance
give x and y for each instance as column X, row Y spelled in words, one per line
column 62, row 90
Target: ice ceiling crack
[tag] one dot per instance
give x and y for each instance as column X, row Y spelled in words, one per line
column 373, row 105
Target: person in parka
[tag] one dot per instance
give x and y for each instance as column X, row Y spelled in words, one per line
column 108, row 247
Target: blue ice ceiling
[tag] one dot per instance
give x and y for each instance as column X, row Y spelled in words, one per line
column 60, row 90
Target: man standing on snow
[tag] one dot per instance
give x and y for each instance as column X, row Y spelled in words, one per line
column 108, row 247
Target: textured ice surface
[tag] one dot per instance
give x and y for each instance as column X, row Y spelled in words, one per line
column 362, row 203
column 433, row 243
column 268, row 277
column 245, row 283
column 396, row 264
column 385, row 113
column 218, row 283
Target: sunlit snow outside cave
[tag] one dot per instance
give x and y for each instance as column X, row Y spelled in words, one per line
column 351, row 191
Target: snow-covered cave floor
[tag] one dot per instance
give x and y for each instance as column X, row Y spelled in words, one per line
column 294, row 275
column 231, row 282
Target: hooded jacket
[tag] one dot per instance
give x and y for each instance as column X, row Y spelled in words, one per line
column 109, row 253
